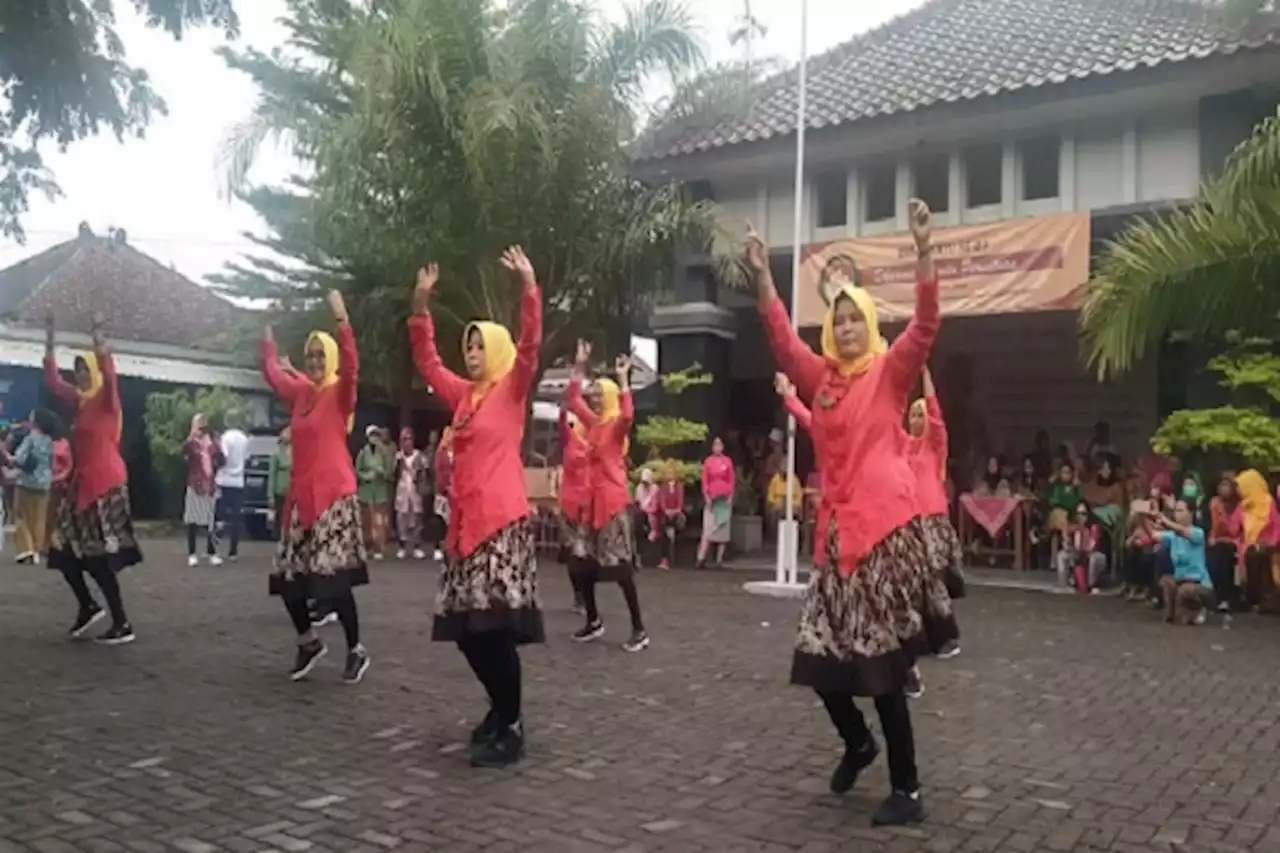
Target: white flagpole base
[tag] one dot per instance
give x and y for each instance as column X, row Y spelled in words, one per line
column 774, row 589
column 786, row 583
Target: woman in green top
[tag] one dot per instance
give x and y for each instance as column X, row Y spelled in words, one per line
column 373, row 478
column 1064, row 496
column 278, row 477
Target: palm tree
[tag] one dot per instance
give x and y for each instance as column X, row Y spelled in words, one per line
column 451, row 128
column 1203, row 270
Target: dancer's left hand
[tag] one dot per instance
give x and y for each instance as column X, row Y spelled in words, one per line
column 921, row 220
column 338, row 306
column 622, row 366
column 515, row 260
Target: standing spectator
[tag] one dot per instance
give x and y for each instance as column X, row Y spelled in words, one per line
column 234, row 445
column 279, row 473
column 34, row 463
column 1188, row 591
column 718, row 481
column 1224, row 541
column 411, row 487
column 374, row 477
column 63, row 466
column 200, row 501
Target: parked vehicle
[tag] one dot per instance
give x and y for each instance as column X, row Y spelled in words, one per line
column 257, row 502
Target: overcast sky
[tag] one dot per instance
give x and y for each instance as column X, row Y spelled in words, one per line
column 164, row 190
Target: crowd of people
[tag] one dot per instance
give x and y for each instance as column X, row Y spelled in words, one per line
column 886, row 565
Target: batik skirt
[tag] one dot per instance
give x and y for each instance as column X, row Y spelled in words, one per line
column 613, row 547
column 575, row 542
column 198, row 509
column 100, row 535
column 861, row 634
column 325, row 560
column 945, row 554
column 494, row 588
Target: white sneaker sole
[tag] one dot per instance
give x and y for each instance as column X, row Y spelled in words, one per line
column 359, row 676
column 636, row 647
column 951, row 654
column 93, row 620
column 311, row 664
column 116, row 641
column 594, row 635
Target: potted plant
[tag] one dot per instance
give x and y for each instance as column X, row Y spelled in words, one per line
column 747, row 530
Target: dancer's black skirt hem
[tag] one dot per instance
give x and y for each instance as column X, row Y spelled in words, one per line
column 525, row 624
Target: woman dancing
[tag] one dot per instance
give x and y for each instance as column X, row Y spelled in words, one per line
column 93, row 534
column 608, row 414
column 488, row 597
column 873, row 601
column 575, row 500
column 321, row 555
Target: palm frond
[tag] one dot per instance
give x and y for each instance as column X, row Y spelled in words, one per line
column 239, row 147
column 1202, row 270
column 1252, row 168
column 655, row 36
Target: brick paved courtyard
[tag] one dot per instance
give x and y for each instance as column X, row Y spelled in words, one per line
column 1067, row 725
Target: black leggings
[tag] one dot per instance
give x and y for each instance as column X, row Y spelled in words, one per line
column 1222, row 571
column 345, row 607
column 209, row 547
column 895, row 722
column 586, row 580
column 496, row 662
column 107, row 581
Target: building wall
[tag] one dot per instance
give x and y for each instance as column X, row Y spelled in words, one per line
column 1098, row 165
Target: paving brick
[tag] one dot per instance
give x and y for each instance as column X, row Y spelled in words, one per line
column 1064, row 726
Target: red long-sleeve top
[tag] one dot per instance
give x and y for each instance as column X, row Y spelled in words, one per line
column 867, row 481
column 718, row 477
column 606, row 454
column 489, row 490
column 799, row 411
column 928, row 454
column 575, row 472
column 671, row 497
column 318, row 416
column 95, row 436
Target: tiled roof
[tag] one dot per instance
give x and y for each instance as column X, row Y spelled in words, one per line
column 139, row 298
column 959, row 50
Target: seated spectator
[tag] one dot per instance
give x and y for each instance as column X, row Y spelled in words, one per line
column 1140, row 548
column 1259, row 525
column 775, row 503
column 1105, row 495
column 1080, row 548
column 993, row 482
column 1063, row 498
column 1188, row 591
column 1224, row 541
column 667, row 519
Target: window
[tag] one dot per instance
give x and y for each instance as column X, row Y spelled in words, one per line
column 880, row 193
column 1039, row 159
column 982, row 170
column 832, row 191
column 931, row 181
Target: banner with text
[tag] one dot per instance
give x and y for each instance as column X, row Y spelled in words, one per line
column 1037, row 263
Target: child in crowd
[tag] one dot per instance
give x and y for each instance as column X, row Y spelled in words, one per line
column 1188, row 591
column 1080, row 548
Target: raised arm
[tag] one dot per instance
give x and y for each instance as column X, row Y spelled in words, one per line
column 449, row 386
column 793, row 355
column 936, row 434
column 348, row 354
column 909, row 352
column 61, row 388
column 573, row 394
column 106, row 364
column 529, row 345
column 285, row 383
column 626, row 406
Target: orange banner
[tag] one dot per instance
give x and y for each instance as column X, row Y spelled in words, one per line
column 1037, row 263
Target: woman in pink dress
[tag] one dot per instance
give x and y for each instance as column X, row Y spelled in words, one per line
column 718, row 481
column 873, row 602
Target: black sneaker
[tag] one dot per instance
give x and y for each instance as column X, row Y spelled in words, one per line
column 85, row 620
column 119, row 635
column 852, row 763
column 587, row 633
column 914, row 686
column 899, row 809
column 637, row 642
column 503, row 749
column 357, row 665
column 308, row 656
column 488, row 727
column 949, row 649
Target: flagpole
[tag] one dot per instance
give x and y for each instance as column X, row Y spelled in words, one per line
column 788, row 542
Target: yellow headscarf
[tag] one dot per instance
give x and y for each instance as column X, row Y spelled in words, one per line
column 331, row 361
column 611, row 406
column 876, row 344
column 90, row 360
column 499, row 356
column 1255, row 503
